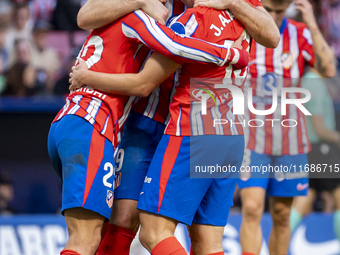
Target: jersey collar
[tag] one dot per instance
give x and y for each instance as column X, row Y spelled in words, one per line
column 283, row 25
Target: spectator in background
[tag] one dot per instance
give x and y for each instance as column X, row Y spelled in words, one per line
column 6, row 194
column 6, row 12
column 21, row 76
column 4, row 54
column 45, row 60
column 2, row 78
column 21, row 27
column 42, row 9
column 325, row 141
column 65, row 17
column 62, row 84
column 330, row 24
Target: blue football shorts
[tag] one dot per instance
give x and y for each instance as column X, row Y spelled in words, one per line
column 83, row 158
column 183, row 182
column 280, row 176
column 140, row 138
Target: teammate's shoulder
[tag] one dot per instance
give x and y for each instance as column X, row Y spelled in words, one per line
column 106, row 29
column 135, row 15
column 202, row 14
column 255, row 3
column 302, row 31
column 202, row 9
column 298, row 25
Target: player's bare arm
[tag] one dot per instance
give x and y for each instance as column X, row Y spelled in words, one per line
column 322, row 131
column 324, row 57
column 156, row 70
column 256, row 20
column 97, row 13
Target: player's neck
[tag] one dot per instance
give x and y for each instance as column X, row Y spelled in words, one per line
column 189, row 3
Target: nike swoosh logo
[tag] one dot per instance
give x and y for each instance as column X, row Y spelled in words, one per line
column 300, row 186
column 300, row 245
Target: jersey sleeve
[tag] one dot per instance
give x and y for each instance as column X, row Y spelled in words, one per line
column 180, row 48
column 307, row 46
column 256, row 3
column 185, row 24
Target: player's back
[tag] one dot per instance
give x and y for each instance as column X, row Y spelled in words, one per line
column 215, row 26
column 108, row 50
column 105, row 50
column 218, row 27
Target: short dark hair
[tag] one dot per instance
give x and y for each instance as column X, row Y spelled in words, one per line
column 5, row 179
column 3, row 26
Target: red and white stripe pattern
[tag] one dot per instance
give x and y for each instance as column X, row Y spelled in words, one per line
column 106, row 115
column 186, row 108
column 156, row 105
column 181, row 49
column 117, row 41
column 175, row 7
column 106, row 112
column 158, row 108
column 283, row 66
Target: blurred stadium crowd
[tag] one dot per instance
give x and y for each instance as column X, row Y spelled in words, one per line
column 39, row 40
column 36, row 42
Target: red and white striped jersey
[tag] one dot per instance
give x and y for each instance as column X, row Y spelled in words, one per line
column 279, row 67
column 112, row 49
column 156, row 105
column 187, row 118
column 175, row 7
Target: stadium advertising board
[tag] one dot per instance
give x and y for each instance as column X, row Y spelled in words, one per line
column 41, row 235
